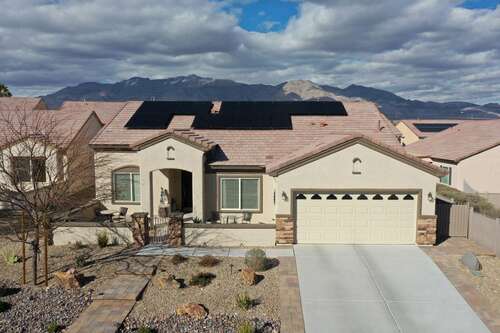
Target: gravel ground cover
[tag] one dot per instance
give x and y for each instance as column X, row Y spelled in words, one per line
column 157, row 306
column 212, row 324
column 34, row 308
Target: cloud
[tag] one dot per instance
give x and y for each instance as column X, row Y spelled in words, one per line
column 426, row 49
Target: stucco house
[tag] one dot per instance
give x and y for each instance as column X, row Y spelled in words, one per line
column 470, row 153
column 413, row 130
column 266, row 173
column 35, row 147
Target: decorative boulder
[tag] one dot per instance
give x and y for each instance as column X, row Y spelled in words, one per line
column 192, row 310
column 471, row 262
column 168, row 281
column 69, row 279
column 248, row 276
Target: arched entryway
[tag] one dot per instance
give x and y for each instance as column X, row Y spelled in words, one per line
column 172, row 191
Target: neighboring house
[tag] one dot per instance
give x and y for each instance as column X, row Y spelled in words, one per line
column 106, row 111
column 22, row 104
column 470, row 152
column 413, row 130
column 308, row 172
column 40, row 162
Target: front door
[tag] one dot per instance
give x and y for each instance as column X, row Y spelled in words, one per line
column 187, row 191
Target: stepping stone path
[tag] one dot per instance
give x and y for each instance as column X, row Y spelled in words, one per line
column 116, row 297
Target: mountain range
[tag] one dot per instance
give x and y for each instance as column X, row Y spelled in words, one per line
column 195, row 88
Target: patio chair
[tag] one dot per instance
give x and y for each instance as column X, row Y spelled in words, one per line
column 121, row 214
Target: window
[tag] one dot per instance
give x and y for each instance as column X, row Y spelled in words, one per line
column 26, row 169
column 126, row 185
column 446, row 179
column 170, row 153
column 239, row 193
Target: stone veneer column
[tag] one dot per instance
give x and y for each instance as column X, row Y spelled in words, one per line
column 140, row 228
column 426, row 230
column 175, row 229
column 285, row 229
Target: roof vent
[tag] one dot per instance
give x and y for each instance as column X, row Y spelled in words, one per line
column 216, row 107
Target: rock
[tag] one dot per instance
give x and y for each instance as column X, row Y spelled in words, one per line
column 168, row 281
column 69, row 279
column 248, row 276
column 471, row 262
column 192, row 310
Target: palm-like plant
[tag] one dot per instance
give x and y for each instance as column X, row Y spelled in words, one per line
column 4, row 91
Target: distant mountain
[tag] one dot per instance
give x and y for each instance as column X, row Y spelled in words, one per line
column 193, row 87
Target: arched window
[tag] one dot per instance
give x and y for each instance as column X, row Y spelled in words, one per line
column 127, row 185
column 170, row 153
column 356, row 166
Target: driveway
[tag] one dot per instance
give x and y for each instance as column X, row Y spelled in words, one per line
column 347, row 288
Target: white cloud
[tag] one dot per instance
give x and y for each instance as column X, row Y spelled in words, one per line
column 428, row 49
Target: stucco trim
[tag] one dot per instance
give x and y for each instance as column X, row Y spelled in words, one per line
column 240, row 175
column 230, row 226
column 188, row 138
column 296, row 162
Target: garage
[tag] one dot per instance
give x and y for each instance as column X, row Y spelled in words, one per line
column 356, row 218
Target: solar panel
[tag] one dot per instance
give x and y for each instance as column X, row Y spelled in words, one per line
column 433, row 128
column 232, row 115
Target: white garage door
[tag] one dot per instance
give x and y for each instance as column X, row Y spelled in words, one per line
column 344, row 218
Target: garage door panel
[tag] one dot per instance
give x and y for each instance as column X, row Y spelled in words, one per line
column 372, row 220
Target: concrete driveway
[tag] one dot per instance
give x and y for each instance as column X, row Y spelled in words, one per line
column 378, row 288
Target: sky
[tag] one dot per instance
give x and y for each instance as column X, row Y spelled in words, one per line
column 441, row 50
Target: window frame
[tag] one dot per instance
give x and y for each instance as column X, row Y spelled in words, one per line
column 449, row 170
column 30, row 170
column 130, row 173
column 258, row 178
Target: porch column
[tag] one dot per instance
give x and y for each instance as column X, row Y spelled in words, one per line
column 146, row 191
column 198, row 191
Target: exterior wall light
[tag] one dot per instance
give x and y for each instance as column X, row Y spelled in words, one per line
column 430, row 197
column 284, row 196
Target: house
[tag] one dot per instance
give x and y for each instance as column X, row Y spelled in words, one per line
column 269, row 172
column 35, row 146
column 22, row 104
column 470, row 153
column 105, row 111
column 413, row 130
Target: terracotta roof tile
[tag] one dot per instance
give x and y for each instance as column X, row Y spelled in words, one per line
column 106, row 111
column 410, row 123
column 21, row 104
column 459, row 142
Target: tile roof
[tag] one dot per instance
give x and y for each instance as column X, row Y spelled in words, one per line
column 106, row 111
column 64, row 126
column 21, row 104
column 318, row 148
column 259, row 147
column 410, row 123
column 459, row 142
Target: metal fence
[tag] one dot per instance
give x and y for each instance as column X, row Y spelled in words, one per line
column 158, row 228
column 485, row 231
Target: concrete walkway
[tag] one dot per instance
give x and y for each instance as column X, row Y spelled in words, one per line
column 164, row 250
column 378, row 289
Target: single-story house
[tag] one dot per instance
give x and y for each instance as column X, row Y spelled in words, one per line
column 35, row 146
column 269, row 172
column 413, row 130
column 470, row 153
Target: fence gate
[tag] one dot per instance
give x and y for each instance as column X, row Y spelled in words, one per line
column 158, row 227
column 452, row 219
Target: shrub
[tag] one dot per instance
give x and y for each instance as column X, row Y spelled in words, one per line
column 197, row 220
column 244, row 301
column 78, row 245
column 81, row 260
column 9, row 254
column 115, row 242
column 102, row 239
column 209, row 261
column 144, row 329
column 246, row 327
column 53, row 327
column 202, row 279
column 256, row 259
column 178, row 259
column 4, row 306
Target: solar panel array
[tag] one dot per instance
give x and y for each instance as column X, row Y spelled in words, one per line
column 434, row 128
column 232, row 115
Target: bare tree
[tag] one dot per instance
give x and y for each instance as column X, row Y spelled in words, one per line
column 45, row 169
